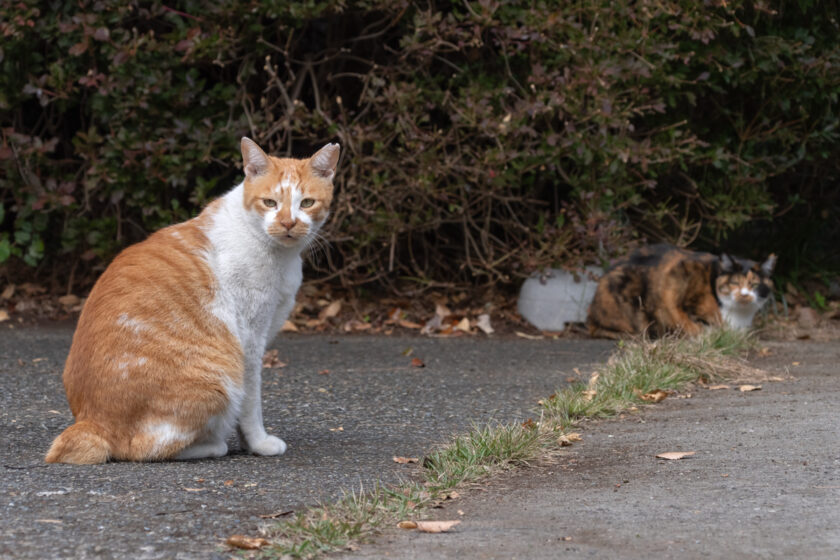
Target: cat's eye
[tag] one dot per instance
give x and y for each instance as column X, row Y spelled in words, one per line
column 270, row 203
column 307, row 202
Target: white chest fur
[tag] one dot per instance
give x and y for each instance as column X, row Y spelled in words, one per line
column 256, row 279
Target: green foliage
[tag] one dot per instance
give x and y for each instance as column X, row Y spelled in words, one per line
column 481, row 140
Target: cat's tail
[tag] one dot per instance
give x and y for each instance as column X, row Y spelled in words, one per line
column 80, row 444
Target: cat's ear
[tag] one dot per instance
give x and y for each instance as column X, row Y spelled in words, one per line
column 254, row 159
column 768, row 265
column 324, row 161
column 726, row 263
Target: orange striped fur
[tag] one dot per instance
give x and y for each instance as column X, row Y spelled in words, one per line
column 166, row 358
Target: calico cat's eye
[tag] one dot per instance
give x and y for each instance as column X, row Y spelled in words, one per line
column 307, row 202
column 270, row 203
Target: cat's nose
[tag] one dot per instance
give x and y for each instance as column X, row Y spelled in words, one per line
column 742, row 297
column 288, row 223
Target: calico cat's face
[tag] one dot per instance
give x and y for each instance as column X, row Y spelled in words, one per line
column 743, row 286
column 289, row 198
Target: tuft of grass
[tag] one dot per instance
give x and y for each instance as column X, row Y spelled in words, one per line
column 635, row 369
column 481, row 452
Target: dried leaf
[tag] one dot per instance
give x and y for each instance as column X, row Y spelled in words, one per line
column 406, row 460
column 675, row 455
column 483, row 323
column 407, row 525
column 339, row 429
column 246, row 543
column 529, row 424
column 463, row 325
column 8, row 292
column 409, row 324
column 4, row 315
column 417, row 362
column 330, row 311
column 717, row 387
column 324, row 372
column 568, row 439
column 593, row 380
column 288, row 326
column 436, row 526
column 271, row 360
column 528, row 336
column 354, row 325
column 653, row 396
column 194, row 489
column 747, row 388
column 442, row 311
column 588, row 395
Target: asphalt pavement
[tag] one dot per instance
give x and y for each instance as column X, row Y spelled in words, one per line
column 345, row 405
column 763, row 482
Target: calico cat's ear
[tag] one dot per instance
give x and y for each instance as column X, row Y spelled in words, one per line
column 255, row 161
column 768, row 265
column 726, row 263
column 324, row 161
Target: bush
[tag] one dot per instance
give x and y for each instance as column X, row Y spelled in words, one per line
column 481, row 140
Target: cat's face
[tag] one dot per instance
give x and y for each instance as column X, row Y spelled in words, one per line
column 743, row 286
column 289, row 199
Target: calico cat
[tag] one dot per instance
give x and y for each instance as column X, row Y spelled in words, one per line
column 661, row 288
column 167, row 356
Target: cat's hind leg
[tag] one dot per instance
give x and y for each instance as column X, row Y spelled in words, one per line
column 203, row 450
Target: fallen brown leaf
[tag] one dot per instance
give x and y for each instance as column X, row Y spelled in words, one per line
column 407, row 525
column 436, row 526
column 339, row 429
column 330, row 311
column 69, row 300
column 463, row 325
column 528, row 336
column 228, row 483
column 194, row 489
column 245, row 543
column 593, row 380
column 442, row 311
column 406, row 460
column 417, row 362
column 655, row 396
column 529, row 424
column 324, row 372
column 675, row 455
column 588, row 395
column 483, row 323
column 271, row 360
column 288, row 326
column 409, row 324
column 4, row 315
column 354, row 325
column 747, row 388
column 717, row 387
column 8, row 292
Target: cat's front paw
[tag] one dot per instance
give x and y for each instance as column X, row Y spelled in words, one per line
column 269, row 445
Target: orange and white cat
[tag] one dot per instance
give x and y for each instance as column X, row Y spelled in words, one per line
column 166, row 359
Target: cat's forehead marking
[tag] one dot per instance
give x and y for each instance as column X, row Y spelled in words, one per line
column 288, row 182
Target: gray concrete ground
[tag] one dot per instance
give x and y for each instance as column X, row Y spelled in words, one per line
column 383, row 406
column 764, row 481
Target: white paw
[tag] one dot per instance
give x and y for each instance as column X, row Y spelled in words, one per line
column 269, row 445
